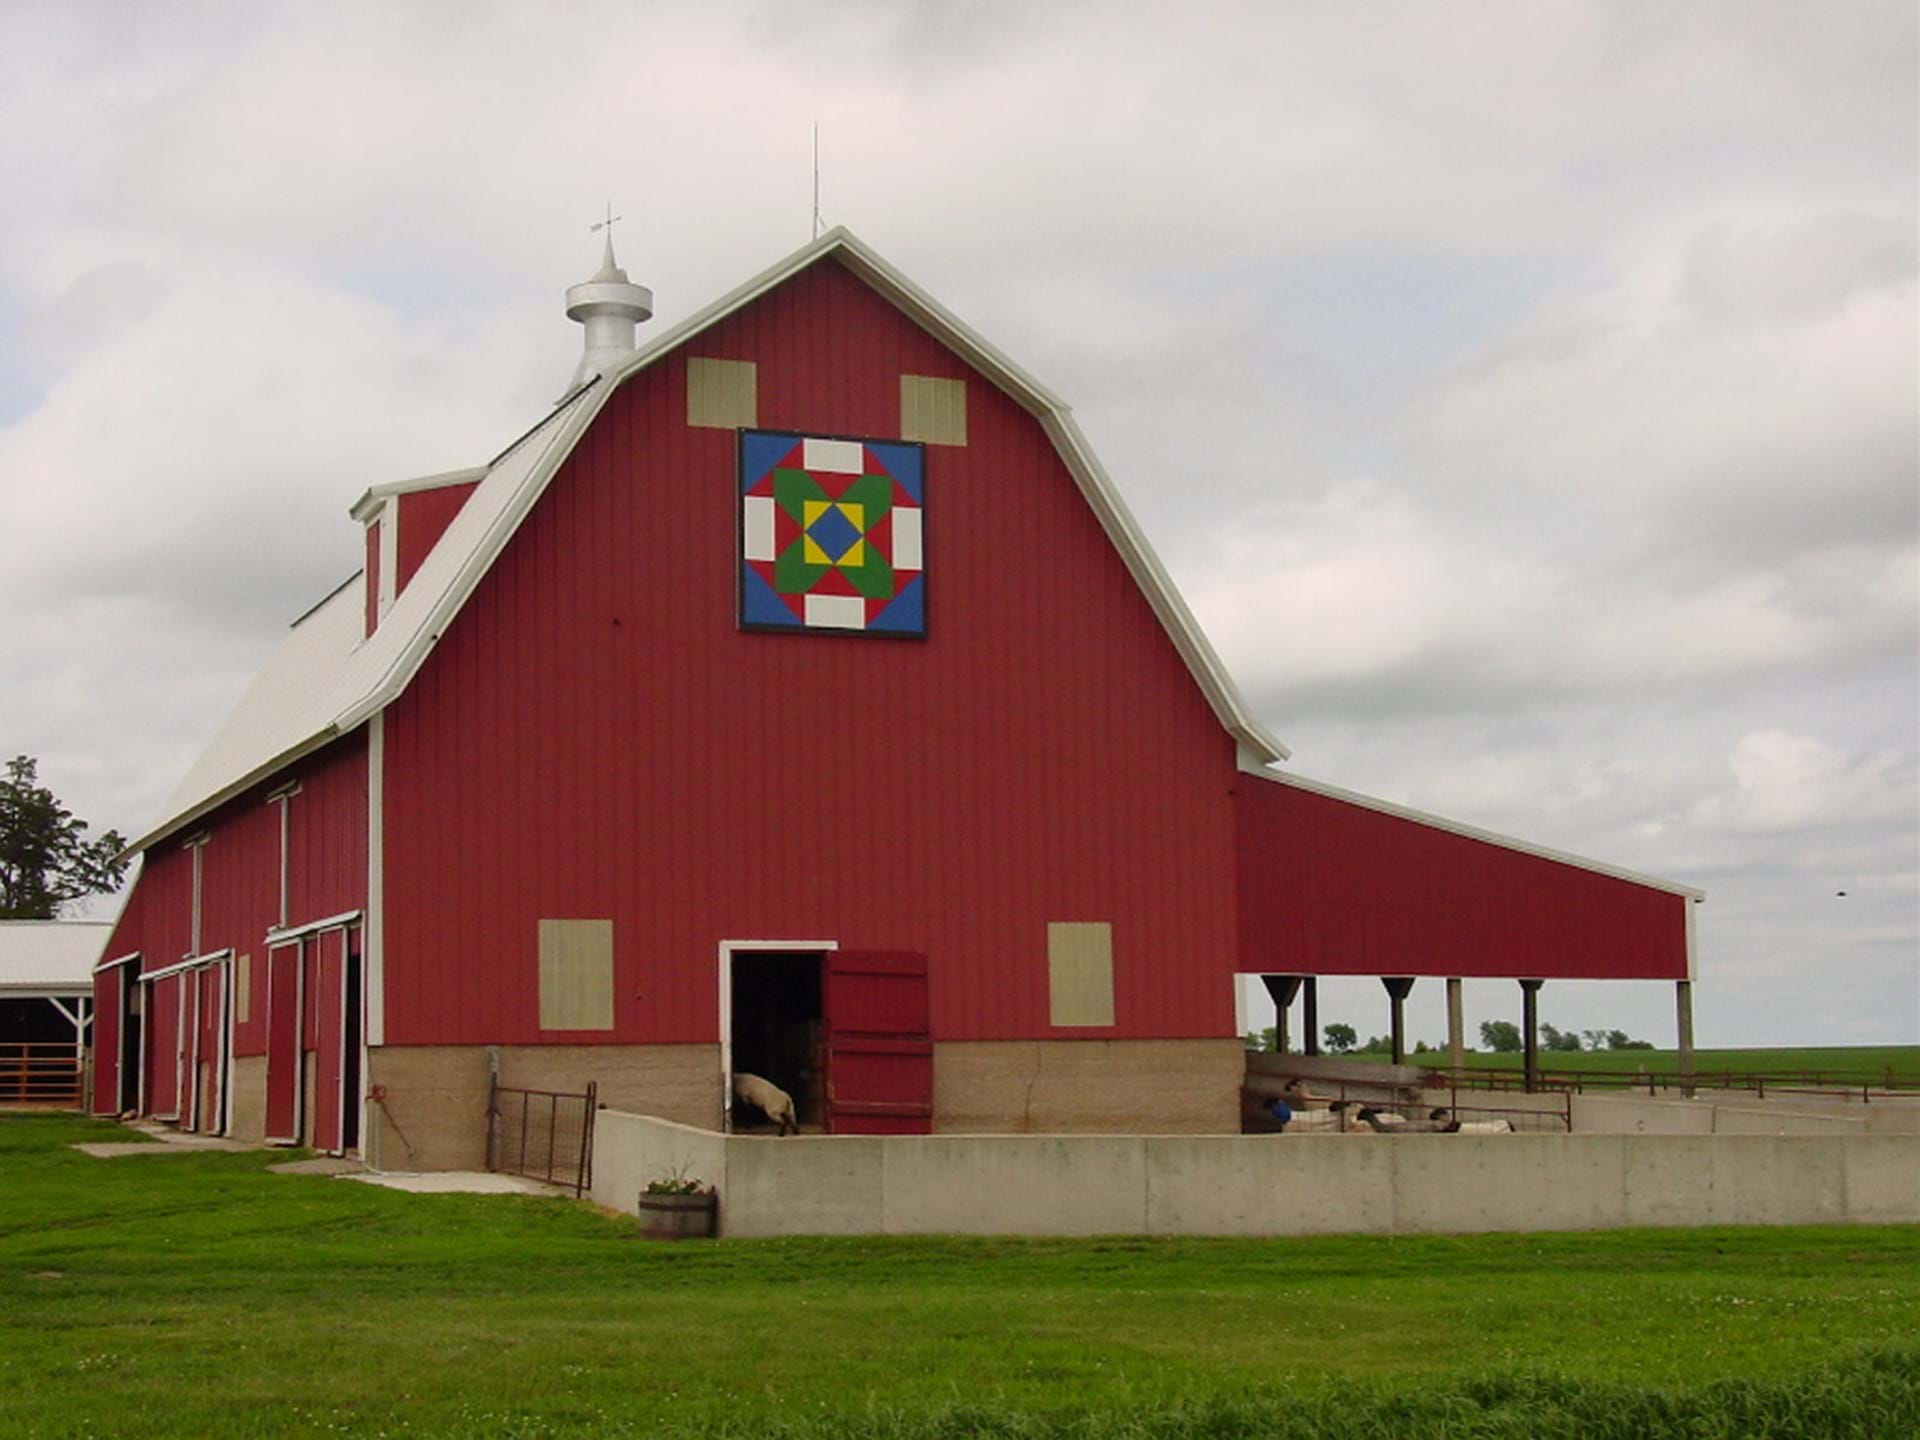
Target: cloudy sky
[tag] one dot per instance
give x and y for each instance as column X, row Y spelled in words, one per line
column 1523, row 394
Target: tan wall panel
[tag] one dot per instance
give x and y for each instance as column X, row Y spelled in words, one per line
column 243, row 990
column 933, row 411
column 248, row 1120
column 1080, row 973
column 722, row 394
column 1152, row 1087
column 576, row 974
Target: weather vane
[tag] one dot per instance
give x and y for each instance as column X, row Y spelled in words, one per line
column 606, row 224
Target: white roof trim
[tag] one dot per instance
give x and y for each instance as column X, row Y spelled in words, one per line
column 1469, row 832
column 192, row 962
column 371, row 498
column 277, row 938
column 126, row 959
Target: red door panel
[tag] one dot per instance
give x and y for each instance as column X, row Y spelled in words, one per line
column 284, row 1079
column 163, row 1049
column 879, row 1043
column 210, row 1069
column 109, row 1009
column 188, row 1033
column 329, row 1029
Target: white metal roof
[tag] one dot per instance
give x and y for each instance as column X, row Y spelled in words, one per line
column 41, row 955
column 325, row 684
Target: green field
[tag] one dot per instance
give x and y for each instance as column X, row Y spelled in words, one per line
column 1863, row 1061
column 200, row 1295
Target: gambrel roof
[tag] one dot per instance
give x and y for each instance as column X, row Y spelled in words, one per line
column 326, row 680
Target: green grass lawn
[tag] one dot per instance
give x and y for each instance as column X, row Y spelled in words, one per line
column 201, row 1295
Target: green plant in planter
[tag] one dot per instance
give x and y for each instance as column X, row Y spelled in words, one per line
column 676, row 1185
column 676, row 1182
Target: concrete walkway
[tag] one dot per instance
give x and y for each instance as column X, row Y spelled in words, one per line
column 456, row 1182
column 160, row 1141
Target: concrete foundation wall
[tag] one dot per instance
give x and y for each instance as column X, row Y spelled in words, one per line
column 1262, row 1185
column 435, row 1113
column 247, row 1120
column 434, row 1116
column 1003, row 1087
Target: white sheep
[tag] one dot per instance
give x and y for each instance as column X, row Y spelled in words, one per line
column 769, row 1097
column 1479, row 1127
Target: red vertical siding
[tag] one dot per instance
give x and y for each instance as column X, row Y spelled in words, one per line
column 594, row 737
column 1332, row 888
column 240, row 879
column 373, row 578
column 127, row 937
column 327, row 845
column 424, row 517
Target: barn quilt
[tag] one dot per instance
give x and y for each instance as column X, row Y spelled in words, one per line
column 831, row 534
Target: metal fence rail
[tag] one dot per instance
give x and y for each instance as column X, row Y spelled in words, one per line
column 1864, row 1086
column 1414, row 1104
column 44, row 1073
column 542, row 1134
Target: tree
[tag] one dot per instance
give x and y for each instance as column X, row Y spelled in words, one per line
column 46, row 859
column 1340, row 1038
column 1265, row 1040
column 1556, row 1039
column 1500, row 1035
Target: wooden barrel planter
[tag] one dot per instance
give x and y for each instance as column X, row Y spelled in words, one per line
column 679, row 1217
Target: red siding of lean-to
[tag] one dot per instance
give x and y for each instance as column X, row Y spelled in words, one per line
column 594, row 737
column 1328, row 887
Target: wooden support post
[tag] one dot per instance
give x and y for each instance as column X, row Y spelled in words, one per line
column 1280, row 989
column 1683, row 1007
column 1530, row 1031
column 1310, row 1015
column 1398, row 988
column 1456, row 1026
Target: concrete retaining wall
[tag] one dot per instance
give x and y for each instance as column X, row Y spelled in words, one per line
column 1261, row 1185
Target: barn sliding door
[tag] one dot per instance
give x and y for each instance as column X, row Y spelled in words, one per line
column 162, row 1056
column 210, row 1049
column 285, row 1082
column 329, row 1002
column 878, row 1043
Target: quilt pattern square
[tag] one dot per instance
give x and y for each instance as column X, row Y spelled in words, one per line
column 832, row 534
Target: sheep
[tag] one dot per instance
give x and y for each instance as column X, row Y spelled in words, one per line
column 769, row 1097
column 1304, row 1121
column 1479, row 1127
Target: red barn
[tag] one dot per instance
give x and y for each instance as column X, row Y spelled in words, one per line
column 797, row 697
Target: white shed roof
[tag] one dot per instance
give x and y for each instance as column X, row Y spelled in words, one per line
column 41, row 955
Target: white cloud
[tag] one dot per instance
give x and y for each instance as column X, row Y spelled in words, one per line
column 1525, row 395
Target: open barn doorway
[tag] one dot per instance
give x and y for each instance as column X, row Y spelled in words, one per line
column 774, row 1031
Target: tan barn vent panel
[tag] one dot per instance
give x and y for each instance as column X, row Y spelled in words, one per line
column 1080, row 972
column 243, row 989
column 576, row 974
column 933, row 411
column 722, row 394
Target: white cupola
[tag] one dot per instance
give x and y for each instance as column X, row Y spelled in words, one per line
column 610, row 306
